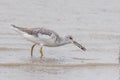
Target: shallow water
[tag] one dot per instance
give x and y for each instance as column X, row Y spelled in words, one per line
column 37, row 73
column 94, row 24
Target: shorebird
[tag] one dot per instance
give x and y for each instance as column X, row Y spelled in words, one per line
column 45, row 37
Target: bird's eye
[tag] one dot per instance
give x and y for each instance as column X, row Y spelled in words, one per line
column 71, row 38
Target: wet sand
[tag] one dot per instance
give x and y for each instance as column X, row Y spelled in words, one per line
column 94, row 24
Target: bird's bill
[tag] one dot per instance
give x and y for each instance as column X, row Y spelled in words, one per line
column 79, row 45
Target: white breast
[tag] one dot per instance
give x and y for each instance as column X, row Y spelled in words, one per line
column 47, row 40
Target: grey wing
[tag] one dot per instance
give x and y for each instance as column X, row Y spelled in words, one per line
column 39, row 32
column 43, row 33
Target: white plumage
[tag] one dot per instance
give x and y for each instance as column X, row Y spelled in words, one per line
column 45, row 37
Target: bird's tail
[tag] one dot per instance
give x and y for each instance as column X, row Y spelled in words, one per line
column 14, row 26
column 19, row 29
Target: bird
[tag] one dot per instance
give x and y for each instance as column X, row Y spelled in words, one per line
column 45, row 37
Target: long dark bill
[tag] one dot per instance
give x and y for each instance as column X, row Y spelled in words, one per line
column 79, row 45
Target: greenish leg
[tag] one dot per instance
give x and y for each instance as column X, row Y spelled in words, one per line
column 41, row 52
column 32, row 49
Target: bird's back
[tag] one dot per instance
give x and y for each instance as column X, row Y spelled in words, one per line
column 36, row 31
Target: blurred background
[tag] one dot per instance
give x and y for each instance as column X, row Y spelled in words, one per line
column 93, row 23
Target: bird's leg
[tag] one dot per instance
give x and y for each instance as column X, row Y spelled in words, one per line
column 32, row 49
column 41, row 52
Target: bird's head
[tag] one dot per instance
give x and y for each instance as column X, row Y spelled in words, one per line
column 70, row 39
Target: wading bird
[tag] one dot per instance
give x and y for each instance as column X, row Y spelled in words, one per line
column 45, row 37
